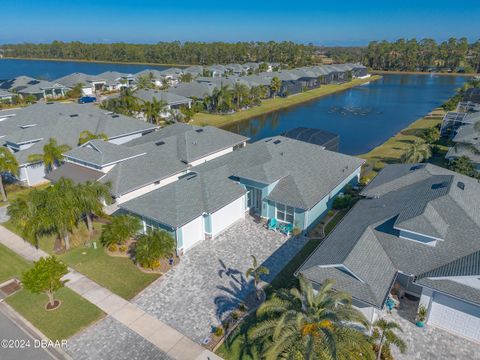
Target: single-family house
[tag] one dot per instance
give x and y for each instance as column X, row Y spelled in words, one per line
column 171, row 75
column 41, row 89
column 6, row 96
column 265, row 178
column 26, row 130
column 467, row 142
column 90, row 83
column 156, row 76
column 193, row 90
column 216, row 70
column 415, row 232
column 196, row 70
column 171, row 100
column 115, row 80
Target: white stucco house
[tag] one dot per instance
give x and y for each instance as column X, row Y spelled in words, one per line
column 417, row 229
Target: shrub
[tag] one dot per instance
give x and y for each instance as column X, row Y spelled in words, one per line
column 242, row 307
column 156, row 264
column 120, row 230
column 234, row 315
column 218, row 331
column 113, row 248
column 342, row 202
column 330, row 213
column 123, row 248
column 152, row 246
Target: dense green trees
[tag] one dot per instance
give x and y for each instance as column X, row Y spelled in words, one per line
column 119, row 230
column 8, row 164
column 153, row 246
column 169, row 52
column 52, row 154
column 417, row 152
column 57, row 209
column 464, row 165
column 85, row 136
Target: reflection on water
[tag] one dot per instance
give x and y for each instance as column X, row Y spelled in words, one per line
column 364, row 116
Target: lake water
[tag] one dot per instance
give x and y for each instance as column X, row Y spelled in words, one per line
column 364, row 116
column 51, row 70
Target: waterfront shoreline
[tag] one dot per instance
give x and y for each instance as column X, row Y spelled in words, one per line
column 398, row 72
column 272, row 105
column 94, row 61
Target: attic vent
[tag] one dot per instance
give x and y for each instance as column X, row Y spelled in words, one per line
column 115, row 116
column 461, row 185
column 73, row 115
column 277, row 142
column 158, row 143
column 199, row 130
column 416, row 167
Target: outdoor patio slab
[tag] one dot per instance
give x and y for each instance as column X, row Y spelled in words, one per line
column 209, row 282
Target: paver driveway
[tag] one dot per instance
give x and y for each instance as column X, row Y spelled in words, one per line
column 429, row 343
column 209, row 281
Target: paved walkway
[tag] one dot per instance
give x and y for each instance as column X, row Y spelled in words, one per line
column 168, row 340
column 429, row 343
column 209, row 282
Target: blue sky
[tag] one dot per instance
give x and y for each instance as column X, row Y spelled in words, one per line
column 345, row 22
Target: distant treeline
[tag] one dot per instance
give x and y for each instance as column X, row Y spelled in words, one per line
column 195, row 53
column 412, row 55
column 401, row 55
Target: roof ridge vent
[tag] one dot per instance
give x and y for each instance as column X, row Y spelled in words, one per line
column 73, row 115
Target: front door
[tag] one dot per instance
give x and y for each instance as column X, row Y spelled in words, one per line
column 255, row 200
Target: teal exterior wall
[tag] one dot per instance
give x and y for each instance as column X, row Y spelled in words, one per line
column 207, row 220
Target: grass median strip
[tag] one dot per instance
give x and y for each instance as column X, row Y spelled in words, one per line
column 270, row 105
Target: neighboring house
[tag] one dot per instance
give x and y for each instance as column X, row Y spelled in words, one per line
column 115, row 80
column 171, row 75
column 6, row 96
column 277, row 178
column 155, row 160
column 216, row 70
column 195, row 70
column 41, row 89
column 193, row 90
column 26, row 130
column 235, row 69
column 467, row 141
column 156, row 76
column 90, row 83
column 416, row 229
column 172, row 101
column 290, row 81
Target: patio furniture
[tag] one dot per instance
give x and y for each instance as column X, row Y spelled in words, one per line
column 285, row 228
column 272, row 224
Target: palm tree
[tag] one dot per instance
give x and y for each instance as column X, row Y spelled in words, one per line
column 275, row 86
column 384, row 333
column 85, row 136
column 240, row 93
column 145, row 81
column 417, row 152
column 8, row 164
column 152, row 110
column 153, row 246
column 256, row 272
column 299, row 323
column 89, row 199
column 120, row 229
column 52, row 154
column 186, row 77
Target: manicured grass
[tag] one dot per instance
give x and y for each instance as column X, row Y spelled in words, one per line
column 74, row 314
column 11, row 264
column 336, row 219
column 118, row 274
column 391, row 151
column 278, row 103
column 14, row 191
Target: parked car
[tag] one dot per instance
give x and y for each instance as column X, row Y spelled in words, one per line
column 87, row 99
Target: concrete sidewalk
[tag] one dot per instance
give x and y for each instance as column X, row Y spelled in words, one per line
column 167, row 339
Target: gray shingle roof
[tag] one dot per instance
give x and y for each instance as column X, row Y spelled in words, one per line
column 186, row 199
column 63, row 122
column 77, row 173
column 169, row 98
column 168, row 152
column 78, row 78
column 102, row 153
column 193, row 90
column 404, row 192
column 18, row 82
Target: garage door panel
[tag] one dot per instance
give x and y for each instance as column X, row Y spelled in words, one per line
column 228, row 215
column 455, row 316
column 192, row 233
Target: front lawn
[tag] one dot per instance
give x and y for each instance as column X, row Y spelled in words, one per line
column 15, row 191
column 118, row 274
column 74, row 314
column 11, row 264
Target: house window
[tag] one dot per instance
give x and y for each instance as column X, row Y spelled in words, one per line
column 285, row 213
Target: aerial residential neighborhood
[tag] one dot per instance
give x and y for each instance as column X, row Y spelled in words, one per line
column 286, row 182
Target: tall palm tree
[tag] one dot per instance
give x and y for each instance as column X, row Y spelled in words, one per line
column 186, row 78
column 145, row 81
column 384, row 333
column 8, row 164
column 256, row 272
column 299, row 323
column 275, row 86
column 152, row 110
column 52, row 154
column 85, row 136
column 89, row 200
column 240, row 93
column 417, row 152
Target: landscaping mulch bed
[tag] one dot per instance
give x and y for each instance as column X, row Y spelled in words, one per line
column 163, row 268
column 10, row 287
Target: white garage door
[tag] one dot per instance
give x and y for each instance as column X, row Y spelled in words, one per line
column 192, row 233
column 227, row 215
column 455, row 316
